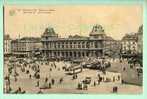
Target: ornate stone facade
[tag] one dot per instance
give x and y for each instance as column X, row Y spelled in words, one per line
column 25, row 46
column 7, row 45
column 73, row 46
column 129, row 44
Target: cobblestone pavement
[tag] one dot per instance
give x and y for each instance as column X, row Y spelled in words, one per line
column 70, row 86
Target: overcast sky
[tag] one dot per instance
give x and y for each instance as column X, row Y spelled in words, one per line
column 66, row 20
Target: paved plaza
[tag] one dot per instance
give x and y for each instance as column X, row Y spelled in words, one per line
column 132, row 85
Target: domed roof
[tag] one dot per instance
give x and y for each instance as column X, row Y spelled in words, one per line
column 97, row 29
column 49, row 31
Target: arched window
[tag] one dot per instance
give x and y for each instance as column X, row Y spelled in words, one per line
column 83, row 44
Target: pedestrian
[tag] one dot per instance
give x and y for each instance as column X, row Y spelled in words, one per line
column 98, row 75
column 76, row 76
column 30, row 76
column 27, row 72
column 38, row 67
column 19, row 90
column 94, row 83
column 115, row 88
column 124, row 69
column 79, row 86
column 46, row 80
column 51, row 65
column 118, row 77
column 38, row 70
column 122, row 81
column 99, row 80
column 50, row 85
column 113, row 79
column 53, row 81
column 37, row 84
column 73, row 77
column 61, row 80
column 55, row 66
column 131, row 66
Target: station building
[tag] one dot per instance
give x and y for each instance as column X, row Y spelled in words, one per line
column 73, row 47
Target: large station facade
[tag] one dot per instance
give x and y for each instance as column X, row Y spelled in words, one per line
column 73, row 46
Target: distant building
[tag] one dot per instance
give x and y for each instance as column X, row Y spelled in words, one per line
column 140, row 39
column 129, row 44
column 112, row 47
column 7, row 45
column 25, row 47
column 73, row 46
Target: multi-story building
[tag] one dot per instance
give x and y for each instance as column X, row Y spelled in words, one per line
column 73, row 46
column 129, row 44
column 7, row 45
column 25, row 47
column 112, row 47
column 140, row 39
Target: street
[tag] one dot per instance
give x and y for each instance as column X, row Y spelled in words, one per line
column 69, row 85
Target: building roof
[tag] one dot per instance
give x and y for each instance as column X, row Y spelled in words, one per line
column 28, row 39
column 31, row 38
column 71, row 38
column 97, row 29
column 49, row 31
column 130, row 36
column 77, row 36
column 7, row 37
column 109, row 38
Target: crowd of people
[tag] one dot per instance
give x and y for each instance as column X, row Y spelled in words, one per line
column 16, row 67
column 31, row 69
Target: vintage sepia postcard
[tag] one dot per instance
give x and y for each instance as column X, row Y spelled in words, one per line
column 73, row 49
